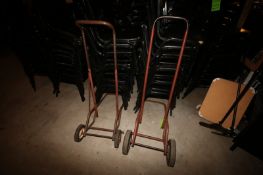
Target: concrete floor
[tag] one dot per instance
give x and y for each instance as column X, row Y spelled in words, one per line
column 36, row 133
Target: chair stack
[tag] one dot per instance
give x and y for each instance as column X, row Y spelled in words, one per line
column 99, row 39
column 165, row 54
column 100, row 50
column 66, row 52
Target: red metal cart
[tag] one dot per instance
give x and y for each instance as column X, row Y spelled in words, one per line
column 82, row 129
column 169, row 146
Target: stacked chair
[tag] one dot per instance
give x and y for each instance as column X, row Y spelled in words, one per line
column 222, row 46
column 32, row 47
column 67, row 55
column 100, row 50
column 101, row 54
column 163, row 63
column 51, row 50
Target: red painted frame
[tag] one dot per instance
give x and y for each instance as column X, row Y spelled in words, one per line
column 91, row 89
column 165, row 126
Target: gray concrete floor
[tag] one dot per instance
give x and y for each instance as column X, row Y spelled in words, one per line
column 36, row 133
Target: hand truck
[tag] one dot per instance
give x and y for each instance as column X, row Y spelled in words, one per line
column 82, row 129
column 169, row 146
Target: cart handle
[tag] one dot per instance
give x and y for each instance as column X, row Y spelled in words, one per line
column 80, row 24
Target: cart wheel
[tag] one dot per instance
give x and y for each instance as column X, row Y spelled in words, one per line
column 127, row 142
column 79, row 133
column 117, row 138
column 171, row 153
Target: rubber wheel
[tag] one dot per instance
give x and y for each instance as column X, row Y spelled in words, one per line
column 171, row 153
column 117, row 138
column 79, row 133
column 127, row 142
